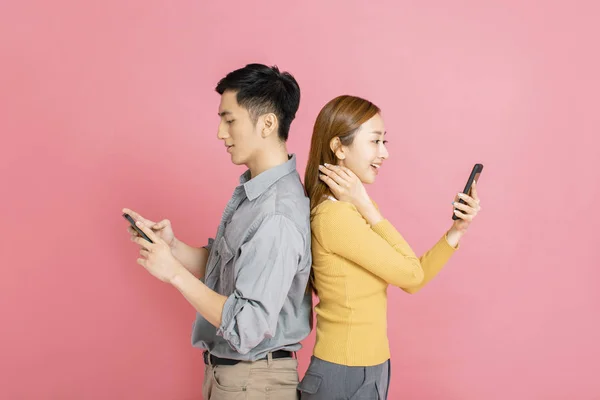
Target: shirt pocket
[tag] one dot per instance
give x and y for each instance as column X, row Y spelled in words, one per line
column 226, row 268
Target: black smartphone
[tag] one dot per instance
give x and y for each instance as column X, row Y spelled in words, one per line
column 474, row 177
column 139, row 231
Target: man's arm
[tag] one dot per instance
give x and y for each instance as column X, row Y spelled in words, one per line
column 206, row 301
column 193, row 259
column 265, row 270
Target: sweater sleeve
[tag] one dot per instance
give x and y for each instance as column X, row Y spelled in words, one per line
column 381, row 249
column 432, row 262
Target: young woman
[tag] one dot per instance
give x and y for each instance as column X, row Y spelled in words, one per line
column 357, row 253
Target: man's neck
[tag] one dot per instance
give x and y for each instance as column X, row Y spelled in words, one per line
column 267, row 159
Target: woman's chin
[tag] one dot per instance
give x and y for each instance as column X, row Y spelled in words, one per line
column 368, row 179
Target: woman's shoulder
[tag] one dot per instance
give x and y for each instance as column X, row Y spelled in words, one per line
column 332, row 215
column 330, row 207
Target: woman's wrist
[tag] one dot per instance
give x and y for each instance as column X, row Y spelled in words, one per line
column 369, row 212
column 453, row 236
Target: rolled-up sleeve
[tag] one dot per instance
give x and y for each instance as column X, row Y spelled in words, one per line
column 265, row 269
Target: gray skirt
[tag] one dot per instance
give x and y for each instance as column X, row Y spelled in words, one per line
column 329, row 381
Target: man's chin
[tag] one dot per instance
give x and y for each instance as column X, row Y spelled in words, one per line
column 237, row 161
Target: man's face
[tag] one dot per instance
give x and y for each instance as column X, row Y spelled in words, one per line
column 237, row 130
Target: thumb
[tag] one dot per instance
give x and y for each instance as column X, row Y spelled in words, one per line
column 162, row 224
column 147, row 222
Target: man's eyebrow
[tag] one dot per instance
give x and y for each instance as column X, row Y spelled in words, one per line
column 224, row 113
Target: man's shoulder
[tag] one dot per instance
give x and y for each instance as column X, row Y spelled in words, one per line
column 287, row 198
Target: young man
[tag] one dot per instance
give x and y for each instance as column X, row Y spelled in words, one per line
column 248, row 285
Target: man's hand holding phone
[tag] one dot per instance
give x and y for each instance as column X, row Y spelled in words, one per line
column 162, row 229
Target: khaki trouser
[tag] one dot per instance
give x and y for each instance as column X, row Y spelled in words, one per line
column 265, row 379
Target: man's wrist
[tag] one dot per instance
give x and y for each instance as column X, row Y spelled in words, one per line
column 175, row 245
column 178, row 276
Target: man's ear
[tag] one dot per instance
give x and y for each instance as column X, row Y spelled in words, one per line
column 269, row 125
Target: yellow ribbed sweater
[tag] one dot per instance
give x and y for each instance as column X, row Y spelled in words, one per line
column 353, row 264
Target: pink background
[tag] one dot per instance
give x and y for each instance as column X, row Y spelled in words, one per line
column 111, row 104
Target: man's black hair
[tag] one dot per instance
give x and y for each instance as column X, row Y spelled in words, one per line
column 261, row 90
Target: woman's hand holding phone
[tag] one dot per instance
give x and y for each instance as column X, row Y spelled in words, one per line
column 466, row 212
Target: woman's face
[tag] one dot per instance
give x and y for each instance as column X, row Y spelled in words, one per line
column 367, row 152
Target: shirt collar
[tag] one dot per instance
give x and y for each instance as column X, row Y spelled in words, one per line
column 258, row 185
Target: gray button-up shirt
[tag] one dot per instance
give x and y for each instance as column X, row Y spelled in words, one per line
column 261, row 259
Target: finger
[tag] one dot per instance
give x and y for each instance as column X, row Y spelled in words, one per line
column 465, row 208
column 144, row 253
column 335, row 188
column 138, row 217
column 327, row 169
column 142, row 242
column 347, row 172
column 132, row 213
column 474, row 192
column 149, row 232
column 332, row 172
column 131, row 230
column 142, row 262
column 162, row 224
column 468, row 199
column 462, row 216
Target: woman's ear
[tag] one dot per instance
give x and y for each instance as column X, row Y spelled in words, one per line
column 338, row 149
